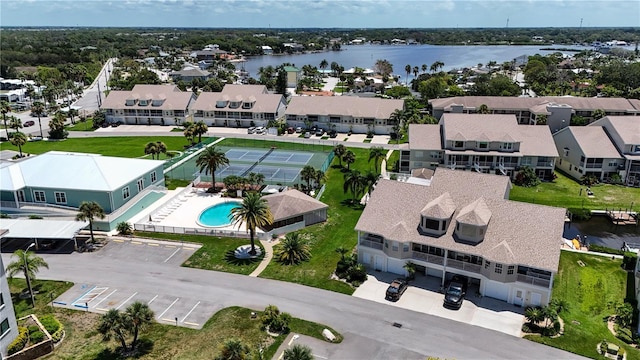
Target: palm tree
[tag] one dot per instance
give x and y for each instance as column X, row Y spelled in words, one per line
column 233, row 349
column 323, row 65
column 18, row 139
column 424, row 68
column 72, row 113
column 14, row 123
column 416, row 70
column 534, row 314
column 189, row 134
column 293, row 250
column 199, row 129
column 298, row 352
column 377, row 154
column 161, row 148
column 407, row 69
column 210, row 160
column 139, row 315
column 370, row 180
column 112, row 323
column 483, row 109
column 354, row 182
column 253, row 212
column 38, row 109
column 5, row 108
column 319, row 178
column 342, row 251
column 436, row 66
column 339, row 151
column 151, row 148
column 349, row 158
column 27, row 263
column 89, row 211
column 307, row 174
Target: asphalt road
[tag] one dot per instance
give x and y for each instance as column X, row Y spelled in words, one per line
column 367, row 326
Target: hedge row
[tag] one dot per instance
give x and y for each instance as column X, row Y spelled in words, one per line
column 20, row 341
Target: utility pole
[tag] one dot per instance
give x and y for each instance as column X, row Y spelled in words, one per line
column 507, row 23
column 581, row 22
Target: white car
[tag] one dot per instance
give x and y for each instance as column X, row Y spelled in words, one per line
column 260, row 130
column 251, row 130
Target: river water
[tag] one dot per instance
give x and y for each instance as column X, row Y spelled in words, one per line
column 601, row 231
column 365, row 56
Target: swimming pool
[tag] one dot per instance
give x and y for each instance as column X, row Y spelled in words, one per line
column 217, row 215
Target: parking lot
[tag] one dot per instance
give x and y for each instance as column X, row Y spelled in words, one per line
column 147, row 250
column 423, row 295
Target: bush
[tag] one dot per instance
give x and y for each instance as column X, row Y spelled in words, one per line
column 33, row 328
column 357, row 273
column 580, row 214
column 20, row 341
column 281, row 323
column 605, row 250
column 36, row 337
column 629, row 260
column 527, row 177
column 526, row 329
column 50, row 323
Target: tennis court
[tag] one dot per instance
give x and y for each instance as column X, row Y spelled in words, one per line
column 271, row 173
column 268, row 156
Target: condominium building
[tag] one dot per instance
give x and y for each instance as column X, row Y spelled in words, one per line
column 8, row 323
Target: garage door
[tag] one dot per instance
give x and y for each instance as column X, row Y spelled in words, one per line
column 496, row 290
column 395, row 266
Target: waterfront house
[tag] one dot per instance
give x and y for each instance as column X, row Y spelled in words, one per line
column 488, row 143
column 624, row 133
column 463, row 223
column 187, row 75
column 148, row 105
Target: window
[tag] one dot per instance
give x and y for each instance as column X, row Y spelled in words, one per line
column 636, row 148
column 38, row 196
column 4, row 326
column 613, row 163
column 125, row 193
column 61, row 198
column 507, row 146
column 431, row 224
column 153, row 177
column 458, row 144
column 140, row 185
column 483, row 145
column 566, row 152
column 394, row 246
column 487, row 264
column 405, row 247
column 510, row 269
column 498, row 269
column 1, row 299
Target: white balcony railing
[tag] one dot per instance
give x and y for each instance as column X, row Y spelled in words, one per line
column 536, row 281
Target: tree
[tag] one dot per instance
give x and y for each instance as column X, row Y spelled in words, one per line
column 624, row 315
column 533, row 314
column 161, row 148
column 436, row 66
column 349, row 158
column 541, row 119
column 18, row 139
column 88, row 211
column 210, row 160
column 339, row 152
column 199, row 129
column 483, row 109
column 189, row 134
column 15, row 124
column 307, row 174
column 354, row 183
column 370, row 180
column 138, row 315
column 318, row 178
column 293, row 250
column 56, row 127
column 599, row 114
column 377, row 154
column 112, row 323
column 27, row 263
column 342, row 251
column 424, row 68
column 151, row 148
column 407, row 69
column 124, row 228
column 233, row 349
column 254, row 212
column 298, row 352
column 71, row 113
column 323, row 64
column 281, row 82
column 5, row 108
column 527, row 177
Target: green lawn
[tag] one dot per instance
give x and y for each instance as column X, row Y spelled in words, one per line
column 125, row 146
column 214, row 253
column 565, row 192
column 81, row 126
column 43, row 290
column 592, row 293
column 325, row 238
column 392, row 162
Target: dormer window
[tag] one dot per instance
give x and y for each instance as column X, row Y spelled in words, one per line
column 458, row 144
column 157, row 102
column 483, row 145
column 221, row 103
column 234, row 104
column 143, row 102
column 472, row 222
column 507, row 146
column 636, row 148
column 436, row 215
column 247, row 105
column 130, row 102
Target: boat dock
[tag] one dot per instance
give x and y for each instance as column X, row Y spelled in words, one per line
column 622, row 217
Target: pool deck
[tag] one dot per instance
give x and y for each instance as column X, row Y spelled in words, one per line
column 181, row 208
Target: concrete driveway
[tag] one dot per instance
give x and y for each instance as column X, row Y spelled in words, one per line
column 423, row 295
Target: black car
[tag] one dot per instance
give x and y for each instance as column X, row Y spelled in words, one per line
column 332, row 133
column 396, row 289
column 455, row 291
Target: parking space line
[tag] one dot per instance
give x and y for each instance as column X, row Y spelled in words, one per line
column 83, row 295
column 190, row 323
column 155, row 297
column 104, row 298
column 129, row 298
column 151, row 244
column 170, row 256
column 136, row 242
column 102, row 309
column 190, row 248
column 167, row 309
column 116, row 240
column 190, row 311
column 170, row 246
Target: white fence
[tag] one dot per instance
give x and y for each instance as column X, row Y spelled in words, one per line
column 196, row 231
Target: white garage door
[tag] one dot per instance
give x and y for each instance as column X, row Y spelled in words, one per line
column 395, row 266
column 496, row 290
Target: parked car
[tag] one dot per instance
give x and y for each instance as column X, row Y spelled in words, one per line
column 332, row 133
column 299, row 130
column 251, row 130
column 455, row 291
column 46, row 244
column 396, row 289
column 290, row 130
column 260, row 130
column 28, row 123
column 116, row 124
column 319, row 132
column 307, row 135
column 44, row 114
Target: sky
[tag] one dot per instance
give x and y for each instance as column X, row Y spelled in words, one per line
column 321, row 13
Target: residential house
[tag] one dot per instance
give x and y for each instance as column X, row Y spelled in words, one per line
column 463, row 223
column 149, row 105
column 266, row 50
column 239, row 106
column 293, row 76
column 116, row 184
column 624, row 132
column 187, row 75
column 557, row 109
column 294, row 210
column 344, row 113
column 483, row 143
column 8, row 322
column 209, row 53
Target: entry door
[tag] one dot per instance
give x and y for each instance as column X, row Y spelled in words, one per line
column 20, row 194
column 518, row 298
column 379, row 265
column 536, row 299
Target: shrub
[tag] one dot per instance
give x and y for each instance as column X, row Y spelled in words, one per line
column 124, row 228
column 281, row 323
column 50, row 323
column 33, row 328
column 604, row 346
column 357, row 273
column 580, row 214
column 605, row 250
column 629, row 260
column 57, row 336
column 527, row 177
column 20, row 341
column 35, row 217
column 269, row 314
column 36, row 337
column 526, row 329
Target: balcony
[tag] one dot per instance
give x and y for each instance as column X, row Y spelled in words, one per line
column 437, row 260
column 594, row 166
column 535, row 281
column 544, row 163
column 461, row 265
column 371, row 244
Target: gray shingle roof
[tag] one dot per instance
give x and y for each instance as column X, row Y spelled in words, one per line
column 523, row 103
column 593, row 142
column 627, row 127
column 518, row 233
column 343, row 105
column 441, row 207
column 290, row 203
column 173, row 98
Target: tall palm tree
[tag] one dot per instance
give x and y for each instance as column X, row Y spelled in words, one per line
column 319, row 178
column 298, row 352
column 233, row 349
column 424, row 68
column 27, row 263
column 161, row 148
column 339, row 151
column 323, row 65
column 436, row 66
column 407, row 69
column 200, row 128
column 38, row 109
column 189, row 134
column 5, row 108
column 354, row 182
column 14, row 123
column 210, row 160
column 139, row 315
column 254, row 212
column 370, row 180
column 416, row 70
column 377, row 154
column 72, row 113
column 293, row 250
column 112, row 323
column 307, row 174
column 151, row 148
column 349, row 158
column 88, row 211
column 18, row 139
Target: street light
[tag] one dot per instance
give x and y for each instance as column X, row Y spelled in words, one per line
column 26, row 274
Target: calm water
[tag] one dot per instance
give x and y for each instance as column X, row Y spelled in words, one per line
column 601, row 231
column 365, row 56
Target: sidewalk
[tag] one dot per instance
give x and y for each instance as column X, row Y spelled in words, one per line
column 268, row 255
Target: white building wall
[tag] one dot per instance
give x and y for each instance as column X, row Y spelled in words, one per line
column 7, row 313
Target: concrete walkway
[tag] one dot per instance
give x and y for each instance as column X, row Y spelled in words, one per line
column 268, row 255
column 383, row 166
